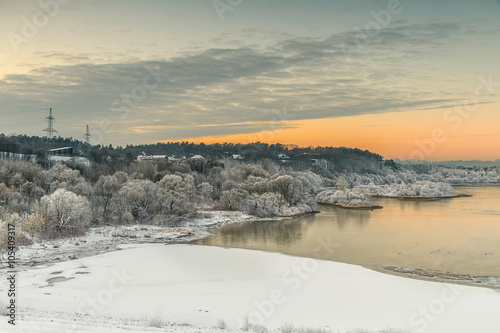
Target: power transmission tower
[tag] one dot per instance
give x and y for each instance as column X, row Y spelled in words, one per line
column 87, row 135
column 50, row 126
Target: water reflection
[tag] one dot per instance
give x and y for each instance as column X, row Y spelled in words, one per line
column 454, row 235
column 342, row 216
column 277, row 232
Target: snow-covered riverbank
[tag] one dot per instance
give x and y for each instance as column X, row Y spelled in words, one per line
column 196, row 288
column 104, row 239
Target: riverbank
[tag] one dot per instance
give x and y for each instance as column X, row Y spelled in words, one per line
column 483, row 281
column 108, row 238
column 346, row 206
column 422, row 198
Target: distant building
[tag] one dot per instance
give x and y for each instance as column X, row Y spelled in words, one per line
column 151, row 157
column 65, row 154
column 197, row 157
column 283, row 157
column 77, row 160
column 238, row 157
column 65, row 151
column 14, row 156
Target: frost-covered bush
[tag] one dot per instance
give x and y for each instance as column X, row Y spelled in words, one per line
column 312, row 183
column 265, row 205
column 254, row 190
column 66, row 212
column 291, row 189
column 32, row 191
column 146, row 200
column 103, row 192
column 172, row 183
column 139, row 197
column 174, row 203
column 467, row 176
column 422, row 189
column 233, row 199
column 346, row 198
column 206, row 191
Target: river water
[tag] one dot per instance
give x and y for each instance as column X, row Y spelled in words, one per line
column 460, row 235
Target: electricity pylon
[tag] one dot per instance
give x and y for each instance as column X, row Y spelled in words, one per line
column 50, row 126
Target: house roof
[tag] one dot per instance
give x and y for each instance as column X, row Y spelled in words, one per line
column 57, row 149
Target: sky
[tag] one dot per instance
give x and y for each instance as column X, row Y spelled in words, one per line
column 408, row 79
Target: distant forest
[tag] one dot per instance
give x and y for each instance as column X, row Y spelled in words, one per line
column 339, row 159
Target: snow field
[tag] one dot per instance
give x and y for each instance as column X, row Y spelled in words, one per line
column 202, row 286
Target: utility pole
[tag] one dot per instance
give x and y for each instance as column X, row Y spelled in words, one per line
column 50, row 126
column 87, row 135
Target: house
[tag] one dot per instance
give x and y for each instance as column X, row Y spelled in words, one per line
column 197, row 157
column 145, row 157
column 238, row 157
column 283, row 157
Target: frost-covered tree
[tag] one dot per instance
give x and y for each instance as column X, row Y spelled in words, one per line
column 288, row 187
column 139, row 197
column 5, row 193
column 66, row 211
column 233, row 199
column 345, row 198
column 206, row 193
column 265, row 205
column 32, row 191
column 174, row 203
column 104, row 190
column 172, row 183
column 423, row 189
column 312, row 183
column 342, row 183
column 62, row 177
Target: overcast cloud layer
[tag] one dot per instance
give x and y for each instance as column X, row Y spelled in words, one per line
column 234, row 84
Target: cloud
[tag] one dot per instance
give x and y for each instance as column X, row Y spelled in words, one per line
column 240, row 89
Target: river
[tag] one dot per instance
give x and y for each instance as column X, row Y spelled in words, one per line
column 460, row 235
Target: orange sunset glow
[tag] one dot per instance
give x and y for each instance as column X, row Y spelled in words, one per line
column 402, row 135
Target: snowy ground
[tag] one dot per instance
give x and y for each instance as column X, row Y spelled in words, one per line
column 192, row 288
column 107, row 238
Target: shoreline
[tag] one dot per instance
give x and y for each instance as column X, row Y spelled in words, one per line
column 420, row 198
column 480, row 281
column 352, row 207
column 109, row 238
column 98, row 241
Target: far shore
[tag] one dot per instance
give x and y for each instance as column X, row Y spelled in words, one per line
column 353, row 207
column 420, row 198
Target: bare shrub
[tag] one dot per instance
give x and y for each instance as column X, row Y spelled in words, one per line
column 156, row 320
column 287, row 328
column 221, row 324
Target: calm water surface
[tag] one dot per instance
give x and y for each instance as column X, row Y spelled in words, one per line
column 454, row 235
